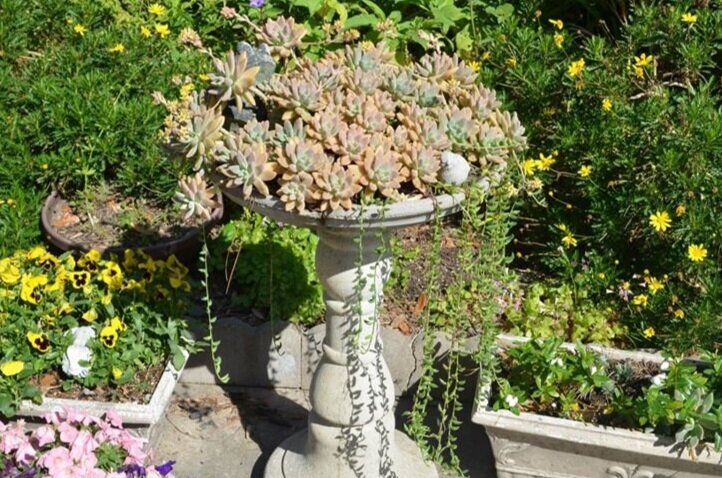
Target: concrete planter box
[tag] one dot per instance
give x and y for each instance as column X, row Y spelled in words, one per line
column 141, row 418
column 530, row 445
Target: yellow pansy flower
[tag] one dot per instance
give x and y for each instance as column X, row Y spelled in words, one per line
column 30, row 284
column 117, row 373
column 90, row 316
column 118, row 324
column 112, row 275
column 106, row 299
column 80, row 279
column 697, row 252
column 65, row 308
column 660, row 221
column 36, row 253
column 11, row 368
column 39, row 341
column 9, row 272
column 109, row 336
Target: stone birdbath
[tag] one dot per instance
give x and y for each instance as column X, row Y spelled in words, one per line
column 351, row 426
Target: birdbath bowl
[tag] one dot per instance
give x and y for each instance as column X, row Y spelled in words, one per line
column 351, row 426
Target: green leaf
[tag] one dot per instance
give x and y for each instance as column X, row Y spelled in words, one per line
column 313, row 6
column 378, row 11
column 362, row 20
column 502, row 13
column 463, row 40
column 447, row 14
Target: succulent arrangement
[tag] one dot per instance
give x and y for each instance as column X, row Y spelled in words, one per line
column 325, row 134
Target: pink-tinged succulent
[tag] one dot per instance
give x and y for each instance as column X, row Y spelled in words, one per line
column 256, row 131
column 384, row 102
column 511, row 126
column 424, row 168
column 364, row 83
column 337, row 186
column 401, row 86
column 325, row 127
column 246, row 165
column 432, row 135
column 282, row 35
column 460, row 127
column 353, row 141
column 428, row 95
column 491, row 147
column 448, row 72
column 372, row 120
column 296, row 192
column 378, row 58
column 203, row 132
column 195, row 197
column 233, row 79
column 382, row 170
column 301, row 156
column 288, row 131
column 482, row 102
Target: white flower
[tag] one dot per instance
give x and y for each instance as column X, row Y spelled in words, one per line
column 82, row 335
column 558, row 362
column 511, row 400
column 659, row 379
column 454, row 168
column 593, row 369
column 664, row 366
column 72, row 358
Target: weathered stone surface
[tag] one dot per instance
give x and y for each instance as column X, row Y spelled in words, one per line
column 266, row 355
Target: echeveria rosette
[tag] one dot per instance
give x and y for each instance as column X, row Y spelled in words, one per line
column 357, row 124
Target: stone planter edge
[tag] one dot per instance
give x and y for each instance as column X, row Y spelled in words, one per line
column 530, row 445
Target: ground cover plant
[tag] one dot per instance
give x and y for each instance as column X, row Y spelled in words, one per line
column 674, row 399
column 75, row 96
column 70, row 323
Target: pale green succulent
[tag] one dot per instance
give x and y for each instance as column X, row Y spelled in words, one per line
column 203, row 132
column 301, row 156
column 337, row 186
column 382, row 169
column 195, row 197
column 297, row 191
column 246, row 165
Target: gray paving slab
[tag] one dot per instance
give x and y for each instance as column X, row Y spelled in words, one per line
column 215, row 432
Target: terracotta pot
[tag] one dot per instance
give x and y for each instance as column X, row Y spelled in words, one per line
column 185, row 248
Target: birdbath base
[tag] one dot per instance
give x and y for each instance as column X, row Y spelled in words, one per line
column 351, row 426
column 290, row 461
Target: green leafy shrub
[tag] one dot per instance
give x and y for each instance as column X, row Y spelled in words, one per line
column 274, row 269
column 623, row 175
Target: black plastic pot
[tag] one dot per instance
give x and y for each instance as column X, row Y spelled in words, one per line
column 185, row 248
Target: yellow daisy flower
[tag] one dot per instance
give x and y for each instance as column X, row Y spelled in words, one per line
column 697, row 252
column 660, row 221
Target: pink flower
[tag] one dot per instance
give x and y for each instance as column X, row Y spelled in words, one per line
column 25, row 453
column 13, row 437
column 83, row 447
column 44, row 435
column 114, row 419
column 52, row 418
column 68, row 432
column 56, row 461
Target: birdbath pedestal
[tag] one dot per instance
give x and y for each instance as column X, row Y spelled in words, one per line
column 351, row 427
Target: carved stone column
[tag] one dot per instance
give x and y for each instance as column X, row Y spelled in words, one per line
column 351, row 427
